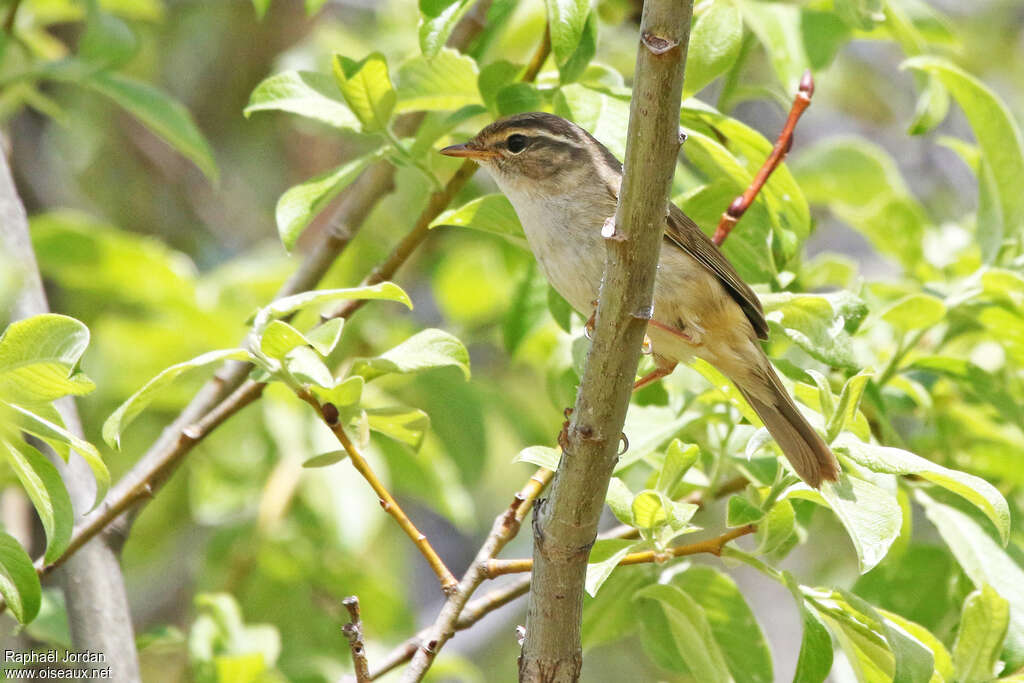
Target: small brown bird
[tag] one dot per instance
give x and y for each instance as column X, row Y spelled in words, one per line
column 564, row 185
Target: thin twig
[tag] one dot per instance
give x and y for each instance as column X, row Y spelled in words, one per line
column 782, row 146
column 353, row 631
column 329, row 414
column 505, row 527
column 496, row 568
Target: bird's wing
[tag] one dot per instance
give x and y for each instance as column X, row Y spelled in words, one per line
column 681, row 231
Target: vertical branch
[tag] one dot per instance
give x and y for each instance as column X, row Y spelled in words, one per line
column 565, row 525
column 93, row 586
column 353, row 631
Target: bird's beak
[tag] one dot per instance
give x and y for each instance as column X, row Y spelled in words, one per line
column 470, row 151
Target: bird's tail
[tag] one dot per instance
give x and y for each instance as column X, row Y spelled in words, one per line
column 802, row 446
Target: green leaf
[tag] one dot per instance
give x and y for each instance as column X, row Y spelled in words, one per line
column 620, row 500
column 437, row 19
column 306, row 366
column 650, row 509
column 279, row 338
column 862, row 14
column 776, row 528
column 493, row 78
column 261, row 7
column 492, row 213
column 56, row 435
column 307, row 93
column 567, row 20
column 576, row 65
column 861, row 184
column 325, row 459
column 678, row 459
column 444, row 82
column 979, row 640
column 107, row 40
column 871, row 516
column 137, row 402
column 424, row 350
column 19, row 583
column 915, row 312
column 984, row 562
column 298, row 206
column 979, row 492
column 325, row 338
column 603, row 116
column 541, row 456
column 996, row 130
column 812, row 322
column 366, row 87
column 742, row 511
column 714, row 45
column 943, row 663
column 516, row 98
column 732, row 622
column 560, row 310
column 678, row 635
column 604, row 557
column 777, row 27
column 45, row 489
column 815, row 659
column 343, row 394
column 284, row 306
column 405, row 425
column 161, row 113
column 39, row 359
column 849, row 400
column 913, row 662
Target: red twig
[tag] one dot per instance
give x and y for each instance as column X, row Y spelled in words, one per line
column 782, row 146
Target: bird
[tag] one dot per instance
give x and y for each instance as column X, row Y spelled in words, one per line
column 564, row 185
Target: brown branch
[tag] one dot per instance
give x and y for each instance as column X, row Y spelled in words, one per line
column 329, row 414
column 353, row 631
column 782, row 146
column 505, row 527
column 496, row 568
column 93, row 585
column 565, row 525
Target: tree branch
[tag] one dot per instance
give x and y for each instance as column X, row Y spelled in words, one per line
column 496, row 568
column 93, row 586
column 565, row 525
column 353, row 631
column 329, row 414
column 505, row 527
column 781, row 148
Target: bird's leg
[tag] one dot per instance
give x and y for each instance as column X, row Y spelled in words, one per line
column 663, row 368
column 740, row 205
column 674, row 331
column 563, row 436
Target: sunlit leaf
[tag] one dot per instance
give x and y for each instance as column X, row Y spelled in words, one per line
column 406, row 425
column 388, row 291
column 604, row 557
column 307, row 93
column 325, row 459
column 366, row 87
column 915, row 312
column 491, row 213
column 446, row 81
column 39, row 359
column 437, row 19
column 714, row 44
column 424, row 350
column 979, row 640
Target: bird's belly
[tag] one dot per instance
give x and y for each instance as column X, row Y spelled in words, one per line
column 570, row 251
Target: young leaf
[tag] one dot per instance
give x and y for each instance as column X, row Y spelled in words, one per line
column 279, row 338
column 776, row 527
column 491, row 213
column 620, row 500
column 39, row 359
column 53, row 433
column 650, row 509
column 325, row 459
column 777, row 27
column 979, row 640
column 576, row 65
column 343, row 394
column 541, row 456
column 811, row 322
column 446, row 81
column 324, row 338
column 566, row 22
column 732, row 622
column 915, row 312
column 437, row 19
column 815, row 659
column 913, row 662
column 428, row 349
column 604, row 557
column 979, row 492
column 603, row 116
column 46, row 490
column 406, row 425
column 984, row 562
column 307, row 367
column 996, row 130
column 107, row 41
column 284, row 306
column 849, row 400
column 300, row 204
column 871, row 515
column 161, row 113
column 366, row 87
column 137, row 402
column 678, row 459
column 677, row 633
column 307, row 93
column 19, row 583
column 714, row 44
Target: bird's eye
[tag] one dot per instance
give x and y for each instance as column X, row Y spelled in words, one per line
column 516, row 143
